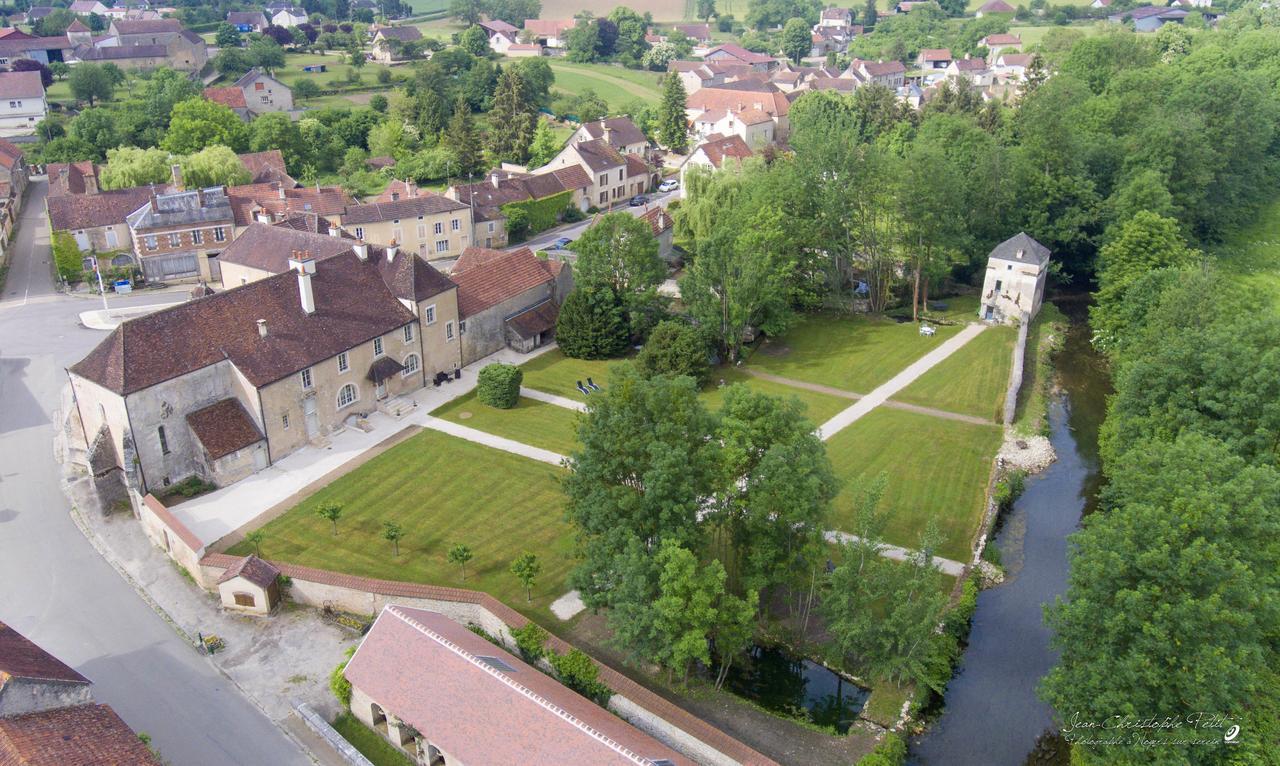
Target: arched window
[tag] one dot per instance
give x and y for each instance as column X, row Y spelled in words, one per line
column 410, row 365
column 347, row 395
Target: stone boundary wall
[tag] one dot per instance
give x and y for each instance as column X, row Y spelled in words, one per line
column 642, row 708
column 316, row 723
column 1015, row 372
column 166, row 531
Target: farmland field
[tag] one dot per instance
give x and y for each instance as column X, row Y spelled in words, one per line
column 662, row 10
column 619, row 87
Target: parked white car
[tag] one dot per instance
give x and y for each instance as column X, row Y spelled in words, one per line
column 670, row 184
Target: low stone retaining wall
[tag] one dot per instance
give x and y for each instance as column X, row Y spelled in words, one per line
column 316, row 723
column 1015, row 373
column 173, row 537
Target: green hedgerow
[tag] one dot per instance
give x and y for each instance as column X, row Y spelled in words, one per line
column 499, row 385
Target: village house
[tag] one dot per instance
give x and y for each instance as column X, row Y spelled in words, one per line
column 1012, row 66
column 20, row 45
column 756, row 111
column 1001, row 43
column 835, row 17
column 96, row 220
column 663, row 227
column 615, row 177
column 890, row 74
column 507, row 300
column 14, row 171
column 267, row 167
column 993, row 7
column 503, row 187
column 390, row 43
column 86, row 7
column 279, row 200
column 247, row 21
column 698, row 33
column 971, row 69
column 500, row 710
column 299, row 354
column 736, row 54
column 286, row 16
column 549, row 33
column 933, row 58
column 262, row 250
column 136, row 44
column 620, row 133
column 432, row 225
column 22, row 103
column 1149, row 18
column 713, row 154
column 48, row 716
column 501, row 35
column 37, row 12
column 251, row 586
column 255, row 93
column 178, row 235
column 695, row 75
column 1013, row 288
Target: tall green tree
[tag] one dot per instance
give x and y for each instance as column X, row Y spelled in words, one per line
column 512, row 120
column 214, row 166
column 526, row 568
column 797, row 39
column 546, row 145
column 464, row 139
column 474, row 40
column 277, row 131
column 582, row 43
column 706, row 9
column 92, row 83
column 130, row 166
column 197, row 123
column 673, row 123
column 592, row 325
column 620, row 253
column 96, row 127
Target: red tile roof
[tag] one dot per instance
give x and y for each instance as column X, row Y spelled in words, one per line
column 69, row 212
column 230, row 97
column 10, row 155
column 267, row 247
column 736, row 96
column 492, row 281
column 474, row 256
column 20, row 657
column 717, row 148
column 739, row 53
column 21, row 85
column 935, row 54
column 253, row 569
column 658, row 219
column 549, row 27
column 267, row 167
column 81, row 735
column 224, row 427
column 1002, row 39
column 413, row 661
column 281, row 199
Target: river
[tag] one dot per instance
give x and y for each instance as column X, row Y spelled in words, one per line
column 992, row 715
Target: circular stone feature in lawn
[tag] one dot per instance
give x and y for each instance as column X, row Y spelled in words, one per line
column 464, row 415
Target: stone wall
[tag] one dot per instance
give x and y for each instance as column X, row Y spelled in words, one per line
column 20, row 695
column 1015, row 373
column 487, row 330
column 173, row 537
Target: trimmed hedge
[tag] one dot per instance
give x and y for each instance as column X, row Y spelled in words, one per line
column 540, row 214
column 67, row 257
column 591, row 325
column 499, row 385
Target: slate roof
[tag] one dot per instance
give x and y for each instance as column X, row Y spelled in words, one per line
column 497, row 26
column 412, row 658
column 1032, row 251
column 224, row 427
column 403, row 34
column 383, row 367
column 485, row 284
column 997, row 6
column 406, row 207
column 252, row 18
column 969, row 65
column 198, row 206
column 409, row 277
column 21, row 85
column 621, row 131
column 69, row 212
column 253, row 569
column 229, row 96
column 118, row 52
column 11, row 47
column 80, row 735
column 20, row 657
column 353, row 306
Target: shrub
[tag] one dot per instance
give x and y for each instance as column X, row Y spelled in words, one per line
column 304, row 89
column 572, row 214
column 1009, row 489
column 531, row 640
column 517, row 222
column 579, row 672
column 892, row 751
column 67, row 257
column 339, row 684
column 676, row 348
column 499, row 385
column 591, row 325
column 958, row 620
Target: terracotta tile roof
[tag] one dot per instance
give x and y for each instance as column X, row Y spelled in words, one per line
column 407, row 276
column 621, row 131
column 486, row 284
column 598, row 154
column 69, row 212
column 253, row 569
column 739, row 53
column 378, row 163
column 725, row 146
column 699, row 32
column 736, row 96
column 224, row 427
column 425, row 203
column 353, row 306
column 843, row 84
column 412, row 658
column 268, row 247
column 997, row 6
column 281, row 199
column 13, row 47
column 969, row 65
column 517, row 187
column 21, row 85
column 74, row 182
column 229, row 96
column 81, row 735
column 267, row 167
column 1002, row 39
column 881, row 68
column 10, row 155
column 497, row 26
column 658, row 219
column 1015, row 59
column 22, row 658
column 474, row 256
column 549, row 27
column 572, row 177
column 935, row 54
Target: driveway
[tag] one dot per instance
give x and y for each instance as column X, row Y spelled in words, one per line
column 57, row 589
column 574, row 230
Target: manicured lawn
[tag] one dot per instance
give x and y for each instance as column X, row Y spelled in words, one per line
column 548, row 426
column 972, row 381
column 1253, row 252
column 819, row 407
column 369, row 742
column 618, row 86
column 335, row 76
column 937, row 469
column 555, row 373
column 1032, row 35
column 441, row 490
column 850, row 353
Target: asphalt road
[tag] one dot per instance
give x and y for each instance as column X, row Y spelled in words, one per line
column 574, row 231
column 54, row 587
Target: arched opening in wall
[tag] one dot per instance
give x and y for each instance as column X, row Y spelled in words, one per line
column 379, row 717
column 434, row 756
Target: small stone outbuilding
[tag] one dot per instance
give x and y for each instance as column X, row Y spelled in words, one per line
column 251, row 586
column 1013, row 287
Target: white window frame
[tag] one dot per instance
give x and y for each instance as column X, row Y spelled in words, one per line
column 355, row 396
column 462, row 327
column 377, row 347
column 219, row 234
column 448, row 331
column 359, row 232
column 408, row 333
column 438, row 228
column 442, row 246
column 417, row 365
column 429, row 314
column 455, row 224
column 197, row 237
column 308, row 382
column 344, row 362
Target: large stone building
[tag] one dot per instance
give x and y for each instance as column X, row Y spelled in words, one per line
column 179, row 234
column 432, row 225
column 1014, row 285
column 507, row 299
column 227, row 384
column 445, row 695
column 503, row 187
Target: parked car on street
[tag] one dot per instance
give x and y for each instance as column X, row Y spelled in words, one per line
column 670, row 184
column 560, row 244
column 638, row 200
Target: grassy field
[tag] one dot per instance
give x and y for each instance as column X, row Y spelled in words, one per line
column 662, row 10
column 441, row 490
column 972, row 381
column 427, row 6
column 619, row 87
column 555, row 373
column 371, row 744
column 819, row 407
column 937, row 469
column 850, row 353
column 548, row 426
column 1253, row 252
column 338, row 68
column 1034, row 34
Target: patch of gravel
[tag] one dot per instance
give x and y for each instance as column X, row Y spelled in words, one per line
column 1032, row 454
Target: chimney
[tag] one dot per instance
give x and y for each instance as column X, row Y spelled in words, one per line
column 411, row 187
column 362, row 250
column 262, row 328
column 392, row 249
column 90, row 180
column 1021, row 253
column 334, row 230
column 175, row 172
column 306, row 266
column 493, row 179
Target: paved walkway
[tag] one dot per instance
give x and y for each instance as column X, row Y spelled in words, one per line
column 830, row 391
column 881, row 394
column 220, row 513
column 491, row 440
column 953, row 568
column 561, row 401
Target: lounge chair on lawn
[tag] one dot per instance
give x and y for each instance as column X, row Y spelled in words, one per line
column 583, row 389
column 591, row 385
